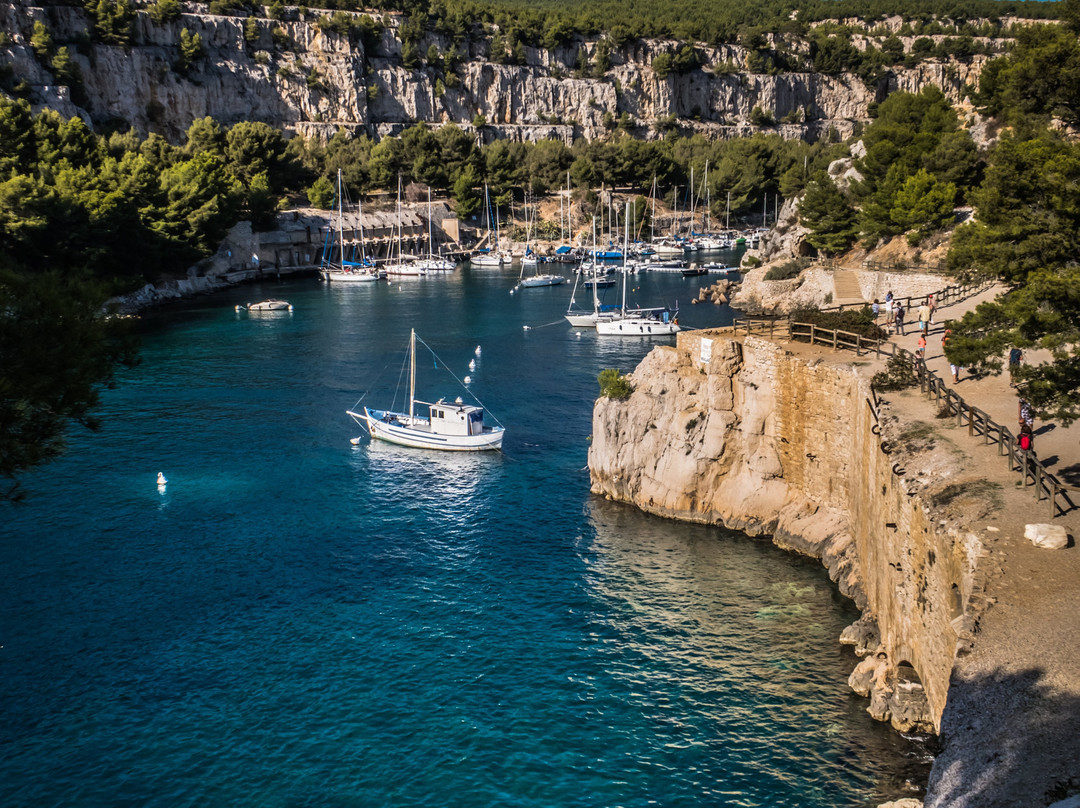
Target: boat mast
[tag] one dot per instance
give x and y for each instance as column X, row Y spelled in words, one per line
column 412, row 372
column 340, row 225
column 624, row 272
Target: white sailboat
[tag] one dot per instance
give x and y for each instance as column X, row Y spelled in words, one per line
column 449, row 426
column 402, row 265
column 346, row 270
column 531, row 261
column 638, row 322
column 583, row 318
column 432, row 262
column 493, row 257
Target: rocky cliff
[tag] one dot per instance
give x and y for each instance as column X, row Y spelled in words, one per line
column 747, row 435
column 291, row 73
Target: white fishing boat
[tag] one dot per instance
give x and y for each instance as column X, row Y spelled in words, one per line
column 449, row 426
column 337, row 264
column 266, row 305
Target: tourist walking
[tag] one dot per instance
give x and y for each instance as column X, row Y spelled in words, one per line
column 876, row 308
column 920, row 352
column 1025, row 441
column 1025, row 413
column 924, row 317
column 933, row 307
column 1016, row 357
column 898, row 318
column 888, row 307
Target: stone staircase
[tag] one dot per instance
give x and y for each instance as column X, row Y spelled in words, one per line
column 846, row 287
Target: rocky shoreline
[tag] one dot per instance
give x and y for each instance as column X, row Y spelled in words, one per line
column 782, row 441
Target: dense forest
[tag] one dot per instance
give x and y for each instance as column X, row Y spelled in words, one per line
column 86, row 215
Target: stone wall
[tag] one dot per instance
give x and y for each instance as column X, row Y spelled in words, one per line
column 763, row 441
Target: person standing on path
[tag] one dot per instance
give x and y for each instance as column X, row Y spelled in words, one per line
column 899, row 318
column 888, row 307
column 924, row 317
column 1016, row 357
column 876, row 308
column 933, row 307
column 1025, row 413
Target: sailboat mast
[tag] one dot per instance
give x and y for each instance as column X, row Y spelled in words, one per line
column 412, row 372
column 622, row 311
column 340, row 224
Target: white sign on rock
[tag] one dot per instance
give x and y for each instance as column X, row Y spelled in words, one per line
column 706, row 350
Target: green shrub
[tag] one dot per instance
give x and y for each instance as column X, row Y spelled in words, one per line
column 787, row 271
column 899, row 374
column 614, row 384
column 855, row 321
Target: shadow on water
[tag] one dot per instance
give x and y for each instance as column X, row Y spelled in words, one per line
column 1035, row 762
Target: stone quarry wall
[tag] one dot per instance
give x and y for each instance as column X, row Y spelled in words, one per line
column 760, row 440
column 316, row 82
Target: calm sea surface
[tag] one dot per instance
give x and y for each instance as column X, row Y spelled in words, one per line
column 297, row 621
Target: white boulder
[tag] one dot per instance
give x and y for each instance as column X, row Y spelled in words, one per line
column 1052, row 537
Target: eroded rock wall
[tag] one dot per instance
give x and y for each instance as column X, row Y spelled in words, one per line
column 290, row 73
column 763, row 441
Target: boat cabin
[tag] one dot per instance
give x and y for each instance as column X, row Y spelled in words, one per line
column 456, row 419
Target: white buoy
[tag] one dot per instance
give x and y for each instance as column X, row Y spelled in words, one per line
column 525, row 327
column 237, row 307
column 161, row 478
column 511, row 291
column 290, row 307
column 457, row 400
column 577, row 334
column 477, row 350
column 354, row 441
column 472, row 364
column 468, row 380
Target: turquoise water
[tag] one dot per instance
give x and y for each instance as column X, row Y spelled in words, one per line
column 297, row 621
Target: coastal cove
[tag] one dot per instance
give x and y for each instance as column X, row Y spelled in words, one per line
column 296, row 620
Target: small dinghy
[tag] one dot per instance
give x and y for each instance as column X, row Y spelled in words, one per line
column 266, row 305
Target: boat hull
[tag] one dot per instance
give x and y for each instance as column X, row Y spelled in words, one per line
column 544, row 280
column 345, row 276
column 381, row 425
column 636, row 327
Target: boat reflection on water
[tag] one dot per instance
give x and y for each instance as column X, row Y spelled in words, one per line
column 440, row 492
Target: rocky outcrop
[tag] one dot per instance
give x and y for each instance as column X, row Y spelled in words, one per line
column 747, row 435
column 291, row 73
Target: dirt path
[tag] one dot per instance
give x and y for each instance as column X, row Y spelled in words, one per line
column 1057, row 446
column 1011, row 729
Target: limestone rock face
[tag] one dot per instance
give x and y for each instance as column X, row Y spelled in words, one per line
column 786, row 238
column 742, row 433
column 292, row 73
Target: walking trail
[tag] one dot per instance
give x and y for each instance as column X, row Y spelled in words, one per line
column 1013, row 717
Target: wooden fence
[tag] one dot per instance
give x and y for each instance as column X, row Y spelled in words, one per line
column 943, row 297
column 1032, row 471
column 978, row 422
